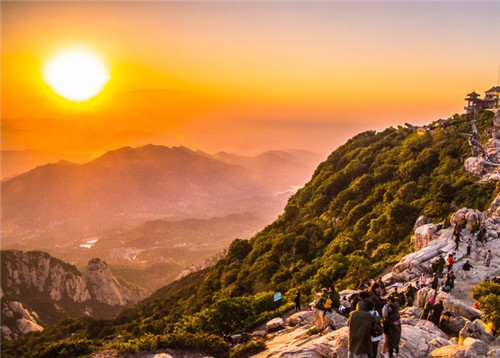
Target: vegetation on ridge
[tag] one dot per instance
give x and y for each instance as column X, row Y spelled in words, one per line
column 351, row 220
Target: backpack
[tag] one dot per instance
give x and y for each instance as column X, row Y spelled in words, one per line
column 376, row 329
column 328, row 304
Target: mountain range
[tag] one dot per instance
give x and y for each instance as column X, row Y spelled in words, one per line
column 149, row 206
column 351, row 221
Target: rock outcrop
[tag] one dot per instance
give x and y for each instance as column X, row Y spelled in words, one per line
column 485, row 158
column 55, row 290
column 460, row 333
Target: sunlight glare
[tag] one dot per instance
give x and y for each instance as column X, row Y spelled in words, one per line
column 76, row 75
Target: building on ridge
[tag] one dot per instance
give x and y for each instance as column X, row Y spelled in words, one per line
column 490, row 101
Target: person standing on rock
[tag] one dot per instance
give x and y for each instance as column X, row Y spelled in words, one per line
column 427, row 308
column 297, row 301
column 381, row 287
column 456, row 235
column 435, row 281
column 489, row 256
column 423, row 280
column 469, row 245
column 466, row 268
column 441, row 263
column 436, row 313
column 385, row 313
column 375, row 330
column 450, row 262
column 334, row 297
column 394, row 330
column 360, row 324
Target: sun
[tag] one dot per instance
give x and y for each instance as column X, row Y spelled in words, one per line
column 76, row 75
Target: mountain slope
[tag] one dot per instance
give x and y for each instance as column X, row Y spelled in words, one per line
column 352, row 219
column 125, row 184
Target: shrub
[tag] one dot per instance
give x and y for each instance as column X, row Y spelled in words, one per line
column 248, row 349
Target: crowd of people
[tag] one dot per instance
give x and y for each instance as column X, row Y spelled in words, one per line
column 373, row 314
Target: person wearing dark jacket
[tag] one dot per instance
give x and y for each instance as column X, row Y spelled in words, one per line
column 435, row 281
column 393, row 322
column 436, row 313
column 335, row 297
column 360, row 324
column 427, row 308
column 296, row 301
column 466, row 268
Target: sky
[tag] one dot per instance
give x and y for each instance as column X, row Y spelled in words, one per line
column 242, row 77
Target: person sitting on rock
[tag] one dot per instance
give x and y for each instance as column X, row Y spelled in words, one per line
column 466, row 268
column 360, row 324
column 427, row 308
column 436, row 313
column 444, row 288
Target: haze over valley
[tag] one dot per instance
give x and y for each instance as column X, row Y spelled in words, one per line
column 151, row 205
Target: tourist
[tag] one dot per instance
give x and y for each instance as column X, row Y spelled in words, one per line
column 447, row 282
column 466, row 268
column 381, row 287
column 450, row 262
column 360, row 324
column 469, row 245
column 452, row 279
column 385, row 314
column 297, row 301
column 456, row 235
column 441, row 264
column 436, row 313
column 393, row 323
column 409, row 300
column 435, row 281
column 334, row 297
column 423, row 280
column 376, row 330
column 489, row 256
column 427, row 308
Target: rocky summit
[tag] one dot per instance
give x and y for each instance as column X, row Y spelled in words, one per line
column 38, row 289
column 461, row 332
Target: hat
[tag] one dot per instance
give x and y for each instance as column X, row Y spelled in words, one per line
column 324, row 289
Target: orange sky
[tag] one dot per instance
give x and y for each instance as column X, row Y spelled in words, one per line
column 243, row 77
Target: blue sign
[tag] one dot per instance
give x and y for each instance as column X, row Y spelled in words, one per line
column 277, row 296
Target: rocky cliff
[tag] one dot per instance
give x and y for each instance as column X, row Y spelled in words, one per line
column 485, row 159
column 38, row 289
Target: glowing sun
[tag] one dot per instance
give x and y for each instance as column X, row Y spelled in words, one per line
column 76, row 75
